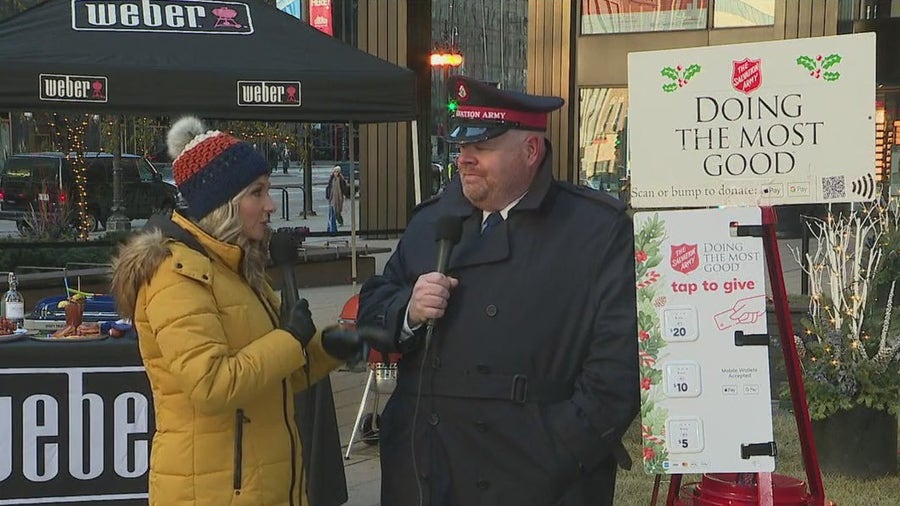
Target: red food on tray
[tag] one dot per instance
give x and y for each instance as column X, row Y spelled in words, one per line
column 6, row 327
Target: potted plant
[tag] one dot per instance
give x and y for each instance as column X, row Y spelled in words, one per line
column 850, row 347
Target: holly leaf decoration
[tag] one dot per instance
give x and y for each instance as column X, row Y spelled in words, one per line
column 669, row 88
column 831, row 76
column 670, row 72
column 807, row 62
column 831, row 60
column 691, row 71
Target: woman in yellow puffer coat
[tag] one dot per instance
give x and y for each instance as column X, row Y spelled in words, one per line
column 222, row 367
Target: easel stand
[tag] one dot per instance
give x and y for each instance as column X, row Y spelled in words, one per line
column 362, row 407
column 763, row 481
column 382, row 380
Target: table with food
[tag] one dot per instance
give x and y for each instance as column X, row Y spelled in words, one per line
column 74, row 372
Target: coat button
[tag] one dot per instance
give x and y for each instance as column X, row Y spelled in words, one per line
column 434, row 419
column 483, row 369
column 483, row 484
column 435, row 362
column 490, row 310
column 481, row 426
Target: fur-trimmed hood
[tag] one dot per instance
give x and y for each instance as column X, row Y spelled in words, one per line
column 136, row 263
column 142, row 255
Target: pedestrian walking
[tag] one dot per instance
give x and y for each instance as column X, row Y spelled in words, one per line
column 223, row 364
column 274, row 155
column 530, row 378
column 336, row 191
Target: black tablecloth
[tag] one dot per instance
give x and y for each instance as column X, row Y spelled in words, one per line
column 31, row 353
column 76, row 421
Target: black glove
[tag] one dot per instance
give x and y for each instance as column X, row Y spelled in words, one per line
column 350, row 345
column 341, row 343
column 298, row 321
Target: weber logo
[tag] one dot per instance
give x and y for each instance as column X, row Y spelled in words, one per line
column 269, row 93
column 64, row 88
column 68, row 432
column 180, row 16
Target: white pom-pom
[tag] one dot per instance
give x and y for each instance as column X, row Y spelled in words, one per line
column 181, row 133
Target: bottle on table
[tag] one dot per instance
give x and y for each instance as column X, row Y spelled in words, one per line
column 14, row 303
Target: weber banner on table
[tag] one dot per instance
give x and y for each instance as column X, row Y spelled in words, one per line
column 75, row 435
column 784, row 122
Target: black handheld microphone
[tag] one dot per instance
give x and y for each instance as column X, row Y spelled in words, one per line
column 447, row 234
column 284, row 255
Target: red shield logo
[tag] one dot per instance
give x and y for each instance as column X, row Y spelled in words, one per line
column 684, row 257
column 462, row 94
column 746, row 75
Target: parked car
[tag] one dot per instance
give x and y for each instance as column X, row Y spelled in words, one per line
column 31, row 178
column 165, row 172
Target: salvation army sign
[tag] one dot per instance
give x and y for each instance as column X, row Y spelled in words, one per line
column 784, row 122
column 705, row 393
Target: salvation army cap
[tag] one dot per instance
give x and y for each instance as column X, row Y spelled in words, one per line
column 484, row 112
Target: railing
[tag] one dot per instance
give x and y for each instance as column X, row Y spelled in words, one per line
column 285, row 199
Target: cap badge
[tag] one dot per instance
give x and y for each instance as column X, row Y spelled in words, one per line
column 462, row 93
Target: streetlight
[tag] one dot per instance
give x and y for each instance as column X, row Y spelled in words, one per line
column 452, row 59
column 445, row 60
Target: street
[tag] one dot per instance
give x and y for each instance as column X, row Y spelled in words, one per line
column 320, row 174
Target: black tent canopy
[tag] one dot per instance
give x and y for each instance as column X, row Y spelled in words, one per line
column 216, row 59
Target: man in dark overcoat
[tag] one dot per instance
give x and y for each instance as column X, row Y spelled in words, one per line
column 523, row 391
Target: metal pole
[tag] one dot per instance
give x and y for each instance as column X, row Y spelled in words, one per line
column 307, row 170
column 353, row 269
column 417, row 176
column 117, row 220
column 445, row 73
column 791, row 360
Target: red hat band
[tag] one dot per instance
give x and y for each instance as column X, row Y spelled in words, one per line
column 536, row 120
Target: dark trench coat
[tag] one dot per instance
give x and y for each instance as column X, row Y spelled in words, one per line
column 532, row 374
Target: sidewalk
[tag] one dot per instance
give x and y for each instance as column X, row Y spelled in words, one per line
column 362, row 469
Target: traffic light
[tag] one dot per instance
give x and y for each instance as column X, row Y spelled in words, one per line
column 452, row 105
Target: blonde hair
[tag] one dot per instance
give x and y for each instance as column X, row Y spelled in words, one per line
column 224, row 224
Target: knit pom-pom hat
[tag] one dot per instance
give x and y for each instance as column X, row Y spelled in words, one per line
column 210, row 167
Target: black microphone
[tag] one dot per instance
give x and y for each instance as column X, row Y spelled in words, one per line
column 447, row 233
column 283, row 253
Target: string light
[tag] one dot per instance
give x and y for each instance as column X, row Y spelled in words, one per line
column 74, row 143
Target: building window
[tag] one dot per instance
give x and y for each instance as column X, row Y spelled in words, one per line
column 878, row 9
column 624, row 16
column 602, row 137
column 736, row 13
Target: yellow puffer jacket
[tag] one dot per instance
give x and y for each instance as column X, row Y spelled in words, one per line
column 223, row 376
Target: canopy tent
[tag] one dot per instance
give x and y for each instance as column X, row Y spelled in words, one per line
column 216, row 59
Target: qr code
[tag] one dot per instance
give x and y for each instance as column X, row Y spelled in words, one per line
column 833, row 187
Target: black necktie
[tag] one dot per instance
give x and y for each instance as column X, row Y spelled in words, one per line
column 492, row 219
